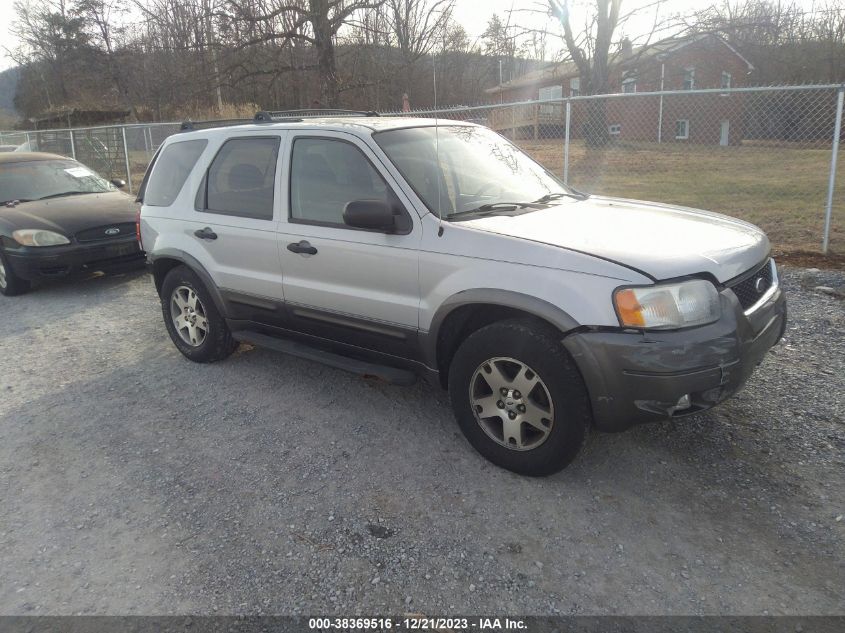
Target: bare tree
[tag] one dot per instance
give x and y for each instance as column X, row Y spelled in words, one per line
column 415, row 27
column 315, row 22
column 103, row 16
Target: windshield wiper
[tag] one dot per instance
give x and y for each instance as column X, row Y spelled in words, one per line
column 65, row 193
column 494, row 208
column 561, row 194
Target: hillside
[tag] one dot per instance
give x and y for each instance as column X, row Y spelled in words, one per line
column 8, row 88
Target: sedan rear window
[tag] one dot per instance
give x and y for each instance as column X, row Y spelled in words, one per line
column 171, row 170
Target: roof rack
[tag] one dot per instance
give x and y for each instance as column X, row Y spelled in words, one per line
column 264, row 116
column 188, row 126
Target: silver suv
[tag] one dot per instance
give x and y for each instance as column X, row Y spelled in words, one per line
column 395, row 247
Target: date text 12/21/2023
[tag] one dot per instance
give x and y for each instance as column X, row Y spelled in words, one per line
column 416, row 623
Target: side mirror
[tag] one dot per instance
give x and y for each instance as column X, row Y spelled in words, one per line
column 370, row 214
column 119, row 183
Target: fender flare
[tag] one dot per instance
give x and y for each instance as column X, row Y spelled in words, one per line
column 193, row 263
column 540, row 308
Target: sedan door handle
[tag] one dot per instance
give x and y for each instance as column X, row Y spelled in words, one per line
column 302, row 247
column 206, row 234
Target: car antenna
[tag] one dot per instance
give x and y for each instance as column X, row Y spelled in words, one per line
column 437, row 150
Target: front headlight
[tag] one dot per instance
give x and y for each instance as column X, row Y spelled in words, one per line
column 667, row 306
column 37, row 237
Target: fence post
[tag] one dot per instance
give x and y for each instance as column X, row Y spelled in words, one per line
column 837, row 131
column 72, row 146
column 566, row 144
column 513, row 123
column 126, row 158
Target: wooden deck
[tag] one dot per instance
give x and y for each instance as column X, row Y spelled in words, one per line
column 516, row 121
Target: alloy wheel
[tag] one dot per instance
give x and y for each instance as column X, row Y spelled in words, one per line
column 188, row 315
column 3, row 281
column 511, row 403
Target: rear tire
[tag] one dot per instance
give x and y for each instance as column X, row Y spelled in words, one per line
column 10, row 283
column 196, row 327
column 519, row 397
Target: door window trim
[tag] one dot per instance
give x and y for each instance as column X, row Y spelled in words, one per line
column 340, row 225
column 201, row 197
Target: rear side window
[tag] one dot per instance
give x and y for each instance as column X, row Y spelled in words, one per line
column 170, row 172
column 241, row 179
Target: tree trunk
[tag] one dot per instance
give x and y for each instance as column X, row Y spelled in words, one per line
column 326, row 62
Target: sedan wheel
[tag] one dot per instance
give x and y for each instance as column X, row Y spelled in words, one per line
column 3, row 282
column 511, row 403
column 189, row 317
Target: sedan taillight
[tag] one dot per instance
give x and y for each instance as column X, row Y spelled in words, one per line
column 138, row 229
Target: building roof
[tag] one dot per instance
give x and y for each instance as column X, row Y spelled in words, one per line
column 569, row 70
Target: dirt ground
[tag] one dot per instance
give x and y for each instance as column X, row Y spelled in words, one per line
column 133, row 481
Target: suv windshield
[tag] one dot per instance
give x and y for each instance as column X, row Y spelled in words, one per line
column 38, row 179
column 477, row 169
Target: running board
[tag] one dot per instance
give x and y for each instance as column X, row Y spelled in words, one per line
column 393, row 375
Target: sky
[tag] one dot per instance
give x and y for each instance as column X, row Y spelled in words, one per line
column 472, row 14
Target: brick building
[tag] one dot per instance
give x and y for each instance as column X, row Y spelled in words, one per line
column 701, row 61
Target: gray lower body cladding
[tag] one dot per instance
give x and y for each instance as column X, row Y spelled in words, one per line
column 636, row 377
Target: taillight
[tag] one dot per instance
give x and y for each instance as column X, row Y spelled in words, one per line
column 138, row 228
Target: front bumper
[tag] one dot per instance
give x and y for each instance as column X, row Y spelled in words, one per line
column 636, row 377
column 33, row 263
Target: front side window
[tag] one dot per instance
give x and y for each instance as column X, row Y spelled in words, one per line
column 170, row 171
column 460, row 168
column 682, row 129
column 40, row 179
column 326, row 174
column 241, row 178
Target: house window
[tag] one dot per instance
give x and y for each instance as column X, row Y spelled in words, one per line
column 614, row 129
column 689, row 78
column 551, row 92
column 682, row 129
column 574, row 86
column 726, row 80
column 629, row 84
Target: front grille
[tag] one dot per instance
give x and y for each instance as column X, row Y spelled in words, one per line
column 752, row 286
column 106, row 232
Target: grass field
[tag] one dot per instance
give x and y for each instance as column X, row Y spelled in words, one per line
column 781, row 189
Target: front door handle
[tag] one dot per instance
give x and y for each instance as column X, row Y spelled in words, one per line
column 206, row 234
column 302, row 247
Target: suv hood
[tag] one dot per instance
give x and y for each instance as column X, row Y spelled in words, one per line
column 661, row 240
column 70, row 214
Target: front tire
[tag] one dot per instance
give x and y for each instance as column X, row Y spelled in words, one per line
column 519, row 398
column 10, row 283
column 196, row 327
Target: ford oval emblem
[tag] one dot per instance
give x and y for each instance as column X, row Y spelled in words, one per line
column 760, row 285
column 112, row 231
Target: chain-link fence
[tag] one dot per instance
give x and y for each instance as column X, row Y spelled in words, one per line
column 766, row 155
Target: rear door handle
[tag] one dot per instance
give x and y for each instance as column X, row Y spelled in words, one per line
column 302, row 247
column 206, row 234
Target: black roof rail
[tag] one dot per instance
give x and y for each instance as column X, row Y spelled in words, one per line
column 187, row 126
column 265, row 116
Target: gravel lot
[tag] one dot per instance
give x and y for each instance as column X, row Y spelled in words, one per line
column 133, row 481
